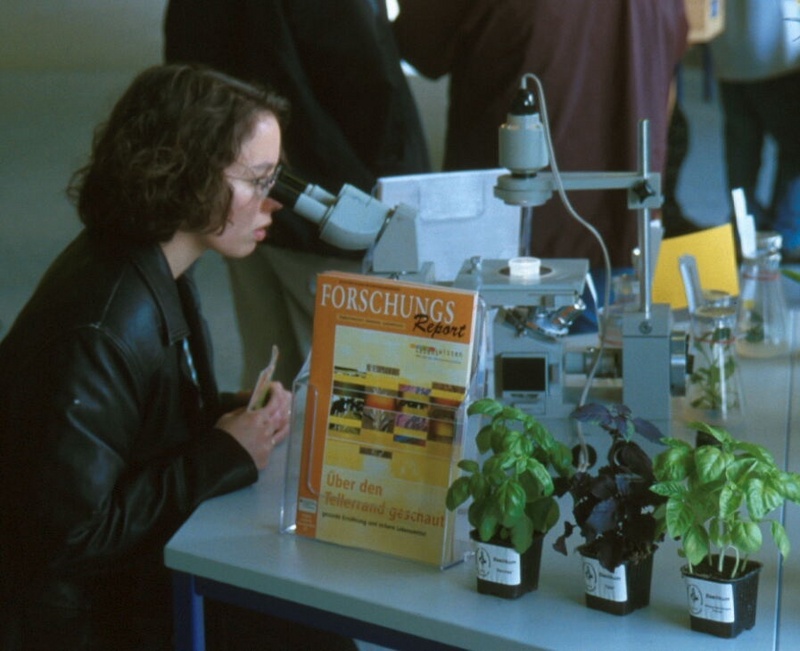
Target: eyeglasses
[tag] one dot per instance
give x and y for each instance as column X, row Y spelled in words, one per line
column 262, row 185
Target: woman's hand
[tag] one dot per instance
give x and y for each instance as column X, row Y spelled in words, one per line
column 260, row 430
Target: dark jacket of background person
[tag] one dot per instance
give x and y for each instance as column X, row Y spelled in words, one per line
column 94, row 369
column 353, row 118
column 603, row 65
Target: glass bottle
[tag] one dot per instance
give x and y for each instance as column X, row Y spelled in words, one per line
column 714, row 392
column 762, row 318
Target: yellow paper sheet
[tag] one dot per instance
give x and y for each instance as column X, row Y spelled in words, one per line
column 715, row 252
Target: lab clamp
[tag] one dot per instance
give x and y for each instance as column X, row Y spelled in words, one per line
column 530, row 358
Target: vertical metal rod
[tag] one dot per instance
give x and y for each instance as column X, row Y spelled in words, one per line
column 525, row 230
column 645, row 268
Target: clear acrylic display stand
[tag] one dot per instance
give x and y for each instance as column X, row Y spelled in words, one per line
column 457, row 544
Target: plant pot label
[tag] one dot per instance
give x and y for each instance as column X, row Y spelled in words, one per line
column 603, row 584
column 710, row 600
column 498, row 564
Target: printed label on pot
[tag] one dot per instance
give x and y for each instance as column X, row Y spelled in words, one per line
column 498, row 564
column 710, row 600
column 604, row 584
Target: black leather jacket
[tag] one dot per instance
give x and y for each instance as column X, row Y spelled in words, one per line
column 107, row 444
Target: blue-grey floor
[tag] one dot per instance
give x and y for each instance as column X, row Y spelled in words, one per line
column 46, row 122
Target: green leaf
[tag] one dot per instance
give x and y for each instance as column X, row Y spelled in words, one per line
column 458, row 493
column 510, row 500
column 488, row 525
column 780, row 537
column 762, row 498
column 718, row 533
column 538, row 432
column 522, row 535
column 746, row 536
column 507, row 460
column 533, row 489
column 710, row 463
column 469, row 465
column 706, row 505
column 544, row 513
column 695, row 544
column 739, row 469
column 494, row 476
column 498, row 463
column 541, row 476
column 790, row 484
column 485, row 406
column 514, row 413
column 679, row 518
column 475, row 513
column 668, row 489
column 526, row 446
column 722, row 435
column 498, row 436
column 672, row 442
column 730, row 501
column 673, row 464
column 510, row 442
column 757, row 451
column 478, row 486
column 483, row 439
column 561, row 458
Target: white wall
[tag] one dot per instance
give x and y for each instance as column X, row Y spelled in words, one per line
column 80, row 34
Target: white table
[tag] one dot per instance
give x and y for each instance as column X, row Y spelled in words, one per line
column 232, row 548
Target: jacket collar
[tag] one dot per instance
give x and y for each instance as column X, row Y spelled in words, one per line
column 153, row 266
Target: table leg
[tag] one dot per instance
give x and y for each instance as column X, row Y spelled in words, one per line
column 190, row 634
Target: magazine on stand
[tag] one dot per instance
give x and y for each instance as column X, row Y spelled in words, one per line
column 391, row 365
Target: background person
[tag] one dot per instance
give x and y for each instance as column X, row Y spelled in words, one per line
column 604, row 66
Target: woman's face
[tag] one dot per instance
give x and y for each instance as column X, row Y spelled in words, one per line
column 250, row 212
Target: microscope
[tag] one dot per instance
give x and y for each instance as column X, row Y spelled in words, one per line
column 531, row 358
column 531, row 352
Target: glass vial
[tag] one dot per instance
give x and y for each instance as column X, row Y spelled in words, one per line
column 713, row 392
column 762, row 318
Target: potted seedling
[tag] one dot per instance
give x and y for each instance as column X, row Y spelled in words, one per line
column 511, row 492
column 613, row 509
column 718, row 498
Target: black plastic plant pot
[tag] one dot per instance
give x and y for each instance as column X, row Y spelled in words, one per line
column 620, row 592
column 719, row 606
column 502, row 571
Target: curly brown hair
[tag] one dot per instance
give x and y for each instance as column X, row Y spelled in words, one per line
column 157, row 163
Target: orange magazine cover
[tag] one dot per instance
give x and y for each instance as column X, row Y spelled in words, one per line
column 391, row 364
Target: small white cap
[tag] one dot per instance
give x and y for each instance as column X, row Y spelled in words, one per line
column 524, row 268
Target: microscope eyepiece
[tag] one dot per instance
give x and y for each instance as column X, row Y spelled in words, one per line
column 287, row 187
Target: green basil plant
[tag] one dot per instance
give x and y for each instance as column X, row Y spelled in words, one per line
column 718, row 497
column 512, row 490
